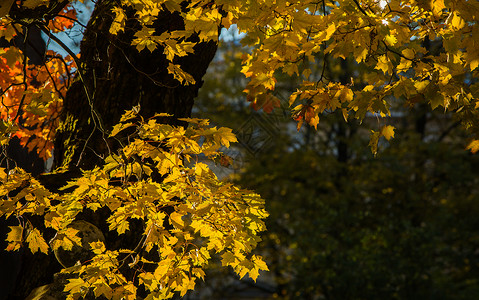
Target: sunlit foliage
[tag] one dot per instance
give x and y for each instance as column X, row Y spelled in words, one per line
column 408, row 51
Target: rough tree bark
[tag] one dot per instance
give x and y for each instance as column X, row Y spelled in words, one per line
column 118, row 77
column 115, row 77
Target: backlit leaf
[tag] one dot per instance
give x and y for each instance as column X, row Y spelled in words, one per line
column 14, row 238
column 36, row 242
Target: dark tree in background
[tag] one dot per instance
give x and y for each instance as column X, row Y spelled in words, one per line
column 345, row 224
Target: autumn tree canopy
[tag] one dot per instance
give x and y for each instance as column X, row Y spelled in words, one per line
column 128, row 158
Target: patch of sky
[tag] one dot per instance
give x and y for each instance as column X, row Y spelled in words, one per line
column 382, row 4
column 231, row 34
column 73, row 36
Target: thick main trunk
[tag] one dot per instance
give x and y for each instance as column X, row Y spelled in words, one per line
column 115, row 77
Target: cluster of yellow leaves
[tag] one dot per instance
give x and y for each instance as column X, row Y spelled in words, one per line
column 388, row 38
column 101, row 275
column 160, row 176
column 327, row 98
column 190, row 216
column 21, row 194
column 201, row 22
column 393, row 40
column 387, row 131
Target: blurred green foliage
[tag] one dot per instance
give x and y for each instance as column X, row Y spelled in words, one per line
column 344, row 224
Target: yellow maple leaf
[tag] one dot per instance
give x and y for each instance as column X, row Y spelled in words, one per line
column 229, row 259
column 437, row 6
column 259, row 263
column 253, row 274
column 98, row 247
column 384, row 64
column 224, row 136
column 176, row 219
column 14, row 238
column 388, row 132
column 390, row 39
column 180, row 75
column 118, row 23
column 474, row 64
column 119, row 127
column 36, row 242
column 457, row 22
column 473, row 146
column 75, row 286
column 66, row 239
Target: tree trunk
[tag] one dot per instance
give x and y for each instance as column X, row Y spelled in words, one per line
column 117, row 77
column 114, row 78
